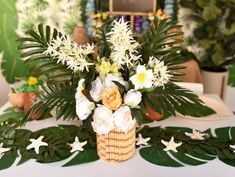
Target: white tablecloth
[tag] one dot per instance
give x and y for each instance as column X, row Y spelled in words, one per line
column 135, row 167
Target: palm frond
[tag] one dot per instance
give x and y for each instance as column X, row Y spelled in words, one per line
column 173, row 99
column 101, row 39
column 156, row 43
column 41, row 65
column 59, row 96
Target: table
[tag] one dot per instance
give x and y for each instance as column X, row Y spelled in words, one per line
column 135, row 167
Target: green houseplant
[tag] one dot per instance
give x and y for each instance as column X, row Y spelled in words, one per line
column 213, row 34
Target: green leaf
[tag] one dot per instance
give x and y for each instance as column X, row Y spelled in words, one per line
column 88, row 155
column 43, row 66
column 232, row 76
column 158, row 156
column 173, row 98
column 7, row 161
column 10, row 113
column 11, row 65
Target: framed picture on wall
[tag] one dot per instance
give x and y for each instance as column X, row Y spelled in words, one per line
column 132, row 6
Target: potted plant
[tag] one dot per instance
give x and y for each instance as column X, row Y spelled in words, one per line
column 212, row 39
column 24, row 97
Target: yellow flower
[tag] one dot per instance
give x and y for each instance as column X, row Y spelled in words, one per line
column 105, row 67
column 114, row 68
column 32, row 80
column 111, row 98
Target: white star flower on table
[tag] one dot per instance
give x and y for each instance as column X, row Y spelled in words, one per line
column 233, row 147
column 77, row 145
column 36, row 144
column 142, row 141
column 196, row 135
column 3, row 150
column 171, row 145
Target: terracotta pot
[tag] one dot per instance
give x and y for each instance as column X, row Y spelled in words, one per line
column 16, row 99
column 215, row 82
column 80, row 35
column 151, row 114
column 29, row 98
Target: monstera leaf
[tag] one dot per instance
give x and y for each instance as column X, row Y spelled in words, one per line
column 11, row 65
column 191, row 152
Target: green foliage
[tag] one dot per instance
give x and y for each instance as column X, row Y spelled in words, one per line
column 60, row 96
column 102, row 43
column 232, row 76
column 10, row 114
column 11, row 65
column 214, row 31
column 155, row 42
column 57, row 149
column 172, row 99
column 41, row 65
column 191, row 152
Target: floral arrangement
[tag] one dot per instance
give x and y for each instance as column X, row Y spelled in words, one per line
column 126, row 80
column 113, row 85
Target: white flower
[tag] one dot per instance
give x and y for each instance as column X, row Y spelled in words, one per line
column 160, row 72
column 80, row 88
column 142, row 141
column 77, row 145
column 3, row 150
column 108, row 82
column 132, row 98
column 70, row 53
column 96, row 89
column 143, row 78
column 102, row 120
column 196, row 135
column 123, row 119
column 171, row 145
column 123, row 44
column 84, row 108
column 36, row 144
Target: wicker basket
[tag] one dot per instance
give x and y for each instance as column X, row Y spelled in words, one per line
column 116, row 146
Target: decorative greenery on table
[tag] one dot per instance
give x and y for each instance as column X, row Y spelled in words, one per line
column 191, row 152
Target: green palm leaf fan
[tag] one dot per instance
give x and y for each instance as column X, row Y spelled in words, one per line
column 41, row 65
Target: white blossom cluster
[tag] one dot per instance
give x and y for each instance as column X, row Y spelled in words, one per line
column 123, row 45
column 160, row 72
column 70, row 53
column 61, row 14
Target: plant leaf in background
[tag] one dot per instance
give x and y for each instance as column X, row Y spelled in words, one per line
column 232, row 76
column 11, row 65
